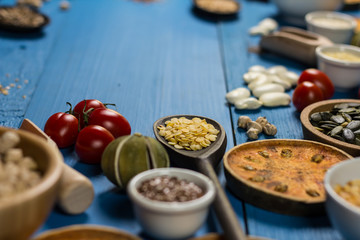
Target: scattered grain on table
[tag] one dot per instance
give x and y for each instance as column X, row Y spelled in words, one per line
column 64, row 5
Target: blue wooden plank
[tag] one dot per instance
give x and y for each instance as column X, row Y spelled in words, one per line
column 22, row 61
column 236, row 39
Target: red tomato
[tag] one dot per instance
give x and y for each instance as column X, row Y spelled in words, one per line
column 82, row 107
column 113, row 121
column 62, row 128
column 305, row 94
column 91, row 143
column 320, row 79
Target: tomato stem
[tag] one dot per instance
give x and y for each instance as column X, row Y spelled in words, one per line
column 70, row 111
column 110, row 104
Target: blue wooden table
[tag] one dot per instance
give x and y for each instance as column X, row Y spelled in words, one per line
column 152, row 60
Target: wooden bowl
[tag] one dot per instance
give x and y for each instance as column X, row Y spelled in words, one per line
column 23, row 213
column 254, row 176
column 86, row 232
column 311, row 133
column 216, row 236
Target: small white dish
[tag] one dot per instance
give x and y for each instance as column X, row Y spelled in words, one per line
column 344, row 216
column 171, row 220
column 341, row 63
column 338, row 27
column 294, row 11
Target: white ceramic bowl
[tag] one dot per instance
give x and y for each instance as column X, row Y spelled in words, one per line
column 344, row 216
column 344, row 74
column 295, row 10
column 338, row 27
column 171, row 220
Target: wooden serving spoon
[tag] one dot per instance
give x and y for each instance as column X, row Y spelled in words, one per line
column 204, row 161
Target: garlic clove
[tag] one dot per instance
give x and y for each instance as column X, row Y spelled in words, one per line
column 252, row 76
column 278, row 69
column 275, row 99
column 248, row 103
column 260, row 81
column 290, row 77
column 237, row 94
column 257, row 68
column 276, row 79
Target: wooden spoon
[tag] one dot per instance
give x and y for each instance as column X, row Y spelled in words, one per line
column 204, row 161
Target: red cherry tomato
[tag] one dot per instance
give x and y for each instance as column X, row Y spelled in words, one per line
column 62, row 128
column 82, row 107
column 91, row 143
column 113, row 121
column 305, row 94
column 320, row 79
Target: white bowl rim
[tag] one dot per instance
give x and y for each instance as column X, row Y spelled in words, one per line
column 171, row 207
column 338, row 47
column 330, row 189
column 331, row 14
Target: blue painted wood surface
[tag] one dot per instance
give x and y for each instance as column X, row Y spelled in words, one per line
column 151, row 60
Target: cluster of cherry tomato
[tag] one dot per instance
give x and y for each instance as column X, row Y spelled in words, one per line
column 90, row 126
column 313, row 86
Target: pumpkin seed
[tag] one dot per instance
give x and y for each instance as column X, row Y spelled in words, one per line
column 257, row 179
column 336, row 131
column 281, row 188
column 251, row 159
column 339, row 138
column 354, row 125
column 338, row 119
column 354, row 105
column 357, row 132
column 286, row 153
column 249, row 168
column 317, row 158
column 328, row 126
column 341, row 106
column 326, row 115
column 347, row 117
column 316, row 117
column 348, row 135
column 312, row 193
column 349, row 110
column 328, row 122
column 319, row 129
column 264, row 154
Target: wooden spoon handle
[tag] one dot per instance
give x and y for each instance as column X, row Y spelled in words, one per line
column 222, row 206
column 76, row 191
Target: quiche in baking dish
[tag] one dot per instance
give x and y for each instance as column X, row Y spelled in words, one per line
column 284, row 176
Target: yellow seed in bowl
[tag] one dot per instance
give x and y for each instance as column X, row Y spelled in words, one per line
column 191, row 134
